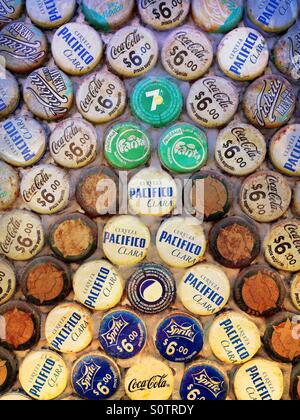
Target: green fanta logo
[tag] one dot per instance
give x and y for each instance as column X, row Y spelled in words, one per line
column 187, row 150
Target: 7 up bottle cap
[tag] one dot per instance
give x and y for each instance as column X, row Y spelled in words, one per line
column 127, row 146
column 157, row 101
column 183, row 148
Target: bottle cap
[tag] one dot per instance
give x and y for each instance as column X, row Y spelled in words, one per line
column 259, row 380
column 98, row 285
column 282, row 249
column 68, row 328
column 235, row 242
column 8, row 281
column 179, row 338
column 95, row 377
column 295, row 383
column 181, row 242
column 259, row 291
column 296, row 199
column 73, row 143
column 8, row 370
column 14, row 396
column 21, row 235
column 126, row 240
column 122, row 334
column 295, row 291
column 269, row 102
column 107, row 16
column 212, row 101
column 152, row 192
column 39, row 371
column 9, row 186
column 127, row 146
column 97, row 192
column 265, row 196
column 204, row 381
column 50, row 15
column 9, row 95
column 132, row 51
column 183, row 148
column 285, row 150
column 243, row 54
column 274, row 16
column 48, row 93
column 151, row 289
column 217, row 15
column 240, row 149
column 12, row 11
column 187, row 54
column 157, row 101
column 149, row 379
column 204, row 290
column 23, row 46
column 285, row 54
column 23, row 141
column 233, row 338
column 101, row 97
column 64, row 234
column 45, row 189
column 77, row 48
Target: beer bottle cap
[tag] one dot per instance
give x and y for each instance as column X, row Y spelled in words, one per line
column 285, row 150
column 49, row 16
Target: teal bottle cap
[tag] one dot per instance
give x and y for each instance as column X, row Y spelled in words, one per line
column 157, row 101
column 183, row 148
column 127, row 146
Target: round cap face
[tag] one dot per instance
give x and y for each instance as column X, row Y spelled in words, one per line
column 23, row 46
column 187, row 54
column 163, row 15
column 150, row 379
column 285, row 150
column 76, row 48
column 234, row 339
column 269, row 102
column 43, row 375
column 8, row 281
column 101, row 97
column 48, row 93
column 49, row 16
column 98, row 285
column 285, row 54
column 9, row 95
column 9, row 186
column 212, row 102
column 10, row 11
column 243, row 54
column 204, row 290
column 259, row 380
column 132, row 51
column 240, row 149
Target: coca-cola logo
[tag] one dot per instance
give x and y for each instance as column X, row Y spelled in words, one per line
column 274, row 197
column 39, row 182
column 94, row 89
column 222, row 98
column 155, row 382
column 250, row 148
column 12, row 230
column 294, row 234
column 131, row 40
column 70, row 132
column 194, row 47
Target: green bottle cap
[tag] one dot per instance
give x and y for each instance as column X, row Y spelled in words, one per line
column 157, row 101
column 127, row 146
column 183, row 148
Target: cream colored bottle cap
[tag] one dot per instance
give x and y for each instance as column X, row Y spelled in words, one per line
column 295, row 291
column 285, row 150
column 51, row 14
column 14, row 396
column 8, row 281
column 163, row 15
column 9, row 94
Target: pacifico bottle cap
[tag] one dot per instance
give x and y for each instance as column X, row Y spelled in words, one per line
column 122, row 334
column 8, row 281
column 285, row 54
column 212, row 101
column 204, row 290
column 285, row 150
column 98, row 285
column 187, row 54
column 48, row 93
column 11, row 12
column 9, row 94
column 73, row 143
column 240, row 149
column 157, row 101
column 77, row 48
column 127, row 146
column 49, row 16
column 181, row 242
column 9, row 186
column 259, row 380
column 179, row 338
column 243, row 54
column 183, row 148
column 234, row 339
column 43, row 375
column 45, row 189
column 282, row 249
column 295, row 291
column 269, row 102
column 265, row 196
column 21, row 235
column 108, row 100
column 163, row 15
column 217, row 16
column 132, row 51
